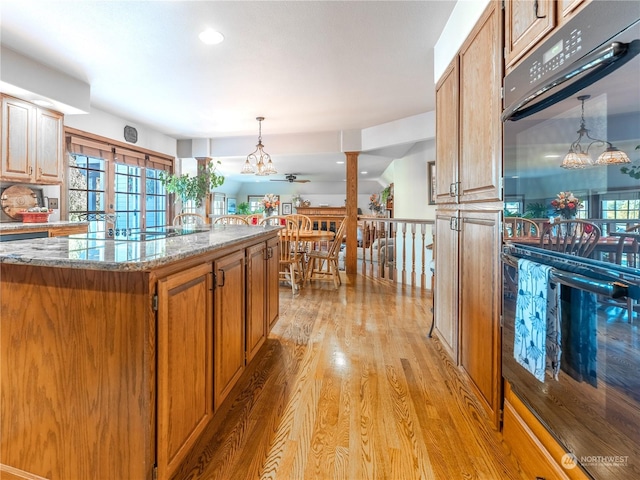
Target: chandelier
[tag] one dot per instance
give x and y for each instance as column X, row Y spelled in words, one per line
column 259, row 162
column 579, row 157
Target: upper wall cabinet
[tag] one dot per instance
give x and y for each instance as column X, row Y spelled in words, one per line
column 468, row 128
column 447, row 111
column 528, row 22
column 32, row 143
column 480, row 136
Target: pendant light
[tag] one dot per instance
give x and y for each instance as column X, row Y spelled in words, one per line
column 259, row 162
column 579, row 157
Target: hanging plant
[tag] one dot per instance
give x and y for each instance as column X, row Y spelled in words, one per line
column 633, row 171
column 195, row 188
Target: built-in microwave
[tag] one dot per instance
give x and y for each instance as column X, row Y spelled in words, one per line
column 571, row 335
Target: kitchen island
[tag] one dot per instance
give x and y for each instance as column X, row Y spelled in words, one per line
column 115, row 355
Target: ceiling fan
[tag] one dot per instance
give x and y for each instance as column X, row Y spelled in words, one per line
column 289, row 177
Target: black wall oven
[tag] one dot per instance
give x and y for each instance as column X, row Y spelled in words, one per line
column 571, row 338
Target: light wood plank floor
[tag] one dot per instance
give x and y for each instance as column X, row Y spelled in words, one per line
column 348, row 386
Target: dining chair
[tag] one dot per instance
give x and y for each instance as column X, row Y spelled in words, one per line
column 323, row 264
column 230, row 220
column 514, row 227
column 574, row 237
column 628, row 254
column 304, row 222
column 254, row 218
column 633, row 228
column 275, row 220
column 291, row 269
column 188, row 219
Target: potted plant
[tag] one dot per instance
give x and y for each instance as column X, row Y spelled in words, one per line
column 192, row 188
column 243, row 208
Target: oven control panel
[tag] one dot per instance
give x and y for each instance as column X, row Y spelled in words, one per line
column 554, row 57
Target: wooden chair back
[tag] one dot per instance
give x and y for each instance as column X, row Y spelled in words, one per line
column 253, row 219
column 282, row 220
column 304, row 222
column 188, row 219
column 291, row 269
column 573, row 237
column 514, row 227
column 230, row 220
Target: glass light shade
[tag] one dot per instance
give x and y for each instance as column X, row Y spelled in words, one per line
column 612, row 156
column 576, row 160
column 247, row 167
column 271, row 170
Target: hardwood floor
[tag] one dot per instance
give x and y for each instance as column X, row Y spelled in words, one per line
column 348, row 386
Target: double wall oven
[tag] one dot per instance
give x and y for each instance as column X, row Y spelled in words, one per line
column 571, row 322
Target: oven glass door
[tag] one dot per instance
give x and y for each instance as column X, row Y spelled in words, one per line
column 591, row 403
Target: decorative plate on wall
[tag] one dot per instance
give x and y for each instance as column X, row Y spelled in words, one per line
column 17, row 198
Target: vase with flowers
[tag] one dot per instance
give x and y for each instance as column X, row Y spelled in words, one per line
column 269, row 204
column 375, row 205
column 566, row 204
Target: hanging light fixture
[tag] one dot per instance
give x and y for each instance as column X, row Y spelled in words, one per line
column 259, row 162
column 579, row 157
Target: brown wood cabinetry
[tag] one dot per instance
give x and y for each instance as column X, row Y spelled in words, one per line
column 446, row 290
column 529, row 22
column 185, row 362
column 114, row 374
column 262, row 294
column 32, row 143
column 229, row 324
column 272, row 281
column 447, row 133
column 468, row 193
column 468, row 127
column 480, row 239
column 256, row 321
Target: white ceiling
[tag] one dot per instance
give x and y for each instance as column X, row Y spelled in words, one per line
column 307, row 66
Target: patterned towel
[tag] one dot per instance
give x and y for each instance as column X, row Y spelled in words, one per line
column 537, row 343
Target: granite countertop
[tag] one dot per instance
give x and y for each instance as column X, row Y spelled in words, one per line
column 7, row 227
column 88, row 252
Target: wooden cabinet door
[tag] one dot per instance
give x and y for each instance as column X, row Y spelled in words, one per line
column 479, row 284
column 229, row 319
column 480, row 165
column 273, row 282
column 18, row 140
column 446, row 281
column 49, row 151
column 526, row 23
column 256, row 319
column 568, row 8
column 185, row 363
column 447, row 121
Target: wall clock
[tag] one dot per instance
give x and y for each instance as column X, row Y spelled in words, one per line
column 130, row 134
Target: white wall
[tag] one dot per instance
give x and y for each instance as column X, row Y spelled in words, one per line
column 111, row 126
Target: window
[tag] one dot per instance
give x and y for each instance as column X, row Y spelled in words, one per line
column 116, row 190
column 620, row 206
column 255, row 204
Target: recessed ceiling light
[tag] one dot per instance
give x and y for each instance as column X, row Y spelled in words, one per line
column 552, row 156
column 211, row 37
column 364, row 173
column 340, row 162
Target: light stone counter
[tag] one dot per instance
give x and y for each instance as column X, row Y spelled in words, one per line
column 85, row 252
column 10, row 227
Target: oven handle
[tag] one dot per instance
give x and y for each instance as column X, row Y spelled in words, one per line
column 598, row 64
column 609, row 289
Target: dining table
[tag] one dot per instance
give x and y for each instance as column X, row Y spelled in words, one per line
column 605, row 248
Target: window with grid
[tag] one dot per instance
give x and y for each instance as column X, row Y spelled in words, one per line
column 108, row 183
column 620, row 206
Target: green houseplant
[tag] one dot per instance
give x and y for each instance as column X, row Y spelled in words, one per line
column 243, row 208
column 195, row 188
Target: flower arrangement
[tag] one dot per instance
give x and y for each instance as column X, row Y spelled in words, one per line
column 566, row 204
column 269, row 203
column 374, row 203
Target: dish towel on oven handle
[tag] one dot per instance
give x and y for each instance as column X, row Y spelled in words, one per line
column 537, row 342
